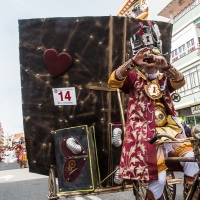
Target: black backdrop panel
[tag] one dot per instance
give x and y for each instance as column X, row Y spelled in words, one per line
column 98, row 45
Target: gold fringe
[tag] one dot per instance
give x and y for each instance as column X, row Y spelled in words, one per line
column 183, row 149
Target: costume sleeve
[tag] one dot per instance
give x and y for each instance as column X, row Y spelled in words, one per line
column 176, row 78
column 115, row 83
column 178, row 84
column 126, row 85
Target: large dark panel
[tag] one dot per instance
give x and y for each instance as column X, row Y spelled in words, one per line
column 98, row 45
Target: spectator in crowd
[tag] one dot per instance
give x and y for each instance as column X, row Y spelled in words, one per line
column 23, row 158
column 186, row 128
column 18, row 149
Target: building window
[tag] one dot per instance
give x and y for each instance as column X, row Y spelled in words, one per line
column 172, row 54
column 175, row 52
column 190, row 43
column 192, row 120
column 183, row 46
column 180, row 49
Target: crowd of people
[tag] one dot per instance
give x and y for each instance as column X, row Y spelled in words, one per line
column 14, row 154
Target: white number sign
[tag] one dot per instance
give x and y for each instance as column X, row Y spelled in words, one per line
column 64, row 96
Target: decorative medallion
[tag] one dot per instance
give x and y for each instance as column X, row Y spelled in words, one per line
column 153, row 90
column 156, row 51
column 176, row 97
column 160, row 116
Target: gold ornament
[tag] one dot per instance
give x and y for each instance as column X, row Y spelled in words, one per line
column 153, row 90
column 156, row 51
column 176, row 97
column 160, row 114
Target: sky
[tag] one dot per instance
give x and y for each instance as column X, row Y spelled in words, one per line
column 10, row 12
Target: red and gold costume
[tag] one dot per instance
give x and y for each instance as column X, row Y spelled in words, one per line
column 139, row 159
column 21, row 155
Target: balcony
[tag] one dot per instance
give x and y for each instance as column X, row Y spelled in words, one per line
column 140, row 12
column 177, row 9
column 186, row 17
column 185, row 11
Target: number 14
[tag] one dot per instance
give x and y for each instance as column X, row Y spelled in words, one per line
column 66, row 95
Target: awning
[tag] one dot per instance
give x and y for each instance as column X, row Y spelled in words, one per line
column 197, row 21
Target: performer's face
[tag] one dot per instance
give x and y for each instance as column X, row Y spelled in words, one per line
column 150, row 69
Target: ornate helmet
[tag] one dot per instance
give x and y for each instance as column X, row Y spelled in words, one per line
column 147, row 36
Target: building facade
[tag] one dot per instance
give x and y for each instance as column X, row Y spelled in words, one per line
column 142, row 9
column 1, row 136
column 133, row 8
column 185, row 55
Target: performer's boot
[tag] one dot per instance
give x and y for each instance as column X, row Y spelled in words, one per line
column 188, row 181
column 149, row 196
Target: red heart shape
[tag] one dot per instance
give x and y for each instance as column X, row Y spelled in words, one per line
column 56, row 63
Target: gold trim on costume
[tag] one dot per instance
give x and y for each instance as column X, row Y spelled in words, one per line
column 174, row 74
column 183, row 149
column 162, row 167
column 140, row 74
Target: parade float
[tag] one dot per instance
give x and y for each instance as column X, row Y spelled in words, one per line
column 73, row 121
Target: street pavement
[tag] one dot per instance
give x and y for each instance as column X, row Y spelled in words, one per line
column 19, row 184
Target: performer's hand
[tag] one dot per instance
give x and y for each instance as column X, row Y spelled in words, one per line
column 139, row 56
column 158, row 61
